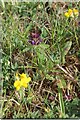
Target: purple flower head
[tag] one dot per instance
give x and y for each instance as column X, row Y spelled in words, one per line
column 35, row 38
column 35, row 35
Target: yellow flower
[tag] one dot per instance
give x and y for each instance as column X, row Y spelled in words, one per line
column 75, row 11
column 17, row 84
column 67, row 14
column 70, row 12
column 22, row 81
column 25, row 81
column 22, row 75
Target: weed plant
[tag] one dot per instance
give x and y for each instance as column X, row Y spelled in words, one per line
column 41, row 41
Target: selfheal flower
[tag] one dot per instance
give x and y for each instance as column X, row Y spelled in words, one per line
column 35, row 35
column 35, row 38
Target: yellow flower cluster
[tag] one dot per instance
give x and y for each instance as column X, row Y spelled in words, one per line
column 72, row 13
column 21, row 81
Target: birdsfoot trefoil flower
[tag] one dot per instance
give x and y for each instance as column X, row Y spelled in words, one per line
column 72, row 13
column 22, row 81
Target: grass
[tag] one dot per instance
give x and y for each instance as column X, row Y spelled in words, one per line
column 53, row 64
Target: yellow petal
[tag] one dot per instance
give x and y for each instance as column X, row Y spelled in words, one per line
column 17, row 84
column 23, row 83
column 17, row 88
column 66, row 14
column 28, row 79
column 22, row 75
column 75, row 11
column 70, row 11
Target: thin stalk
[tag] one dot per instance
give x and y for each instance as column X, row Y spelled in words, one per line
column 62, row 107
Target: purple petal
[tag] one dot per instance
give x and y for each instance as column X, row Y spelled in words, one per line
column 35, row 35
column 40, row 39
column 33, row 42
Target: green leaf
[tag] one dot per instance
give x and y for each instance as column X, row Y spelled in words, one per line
column 44, row 32
column 25, row 49
column 67, row 47
column 3, row 3
column 62, row 84
column 49, row 77
column 65, row 50
column 43, row 46
column 41, row 57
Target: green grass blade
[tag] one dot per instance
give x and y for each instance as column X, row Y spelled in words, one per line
column 61, row 103
column 2, row 1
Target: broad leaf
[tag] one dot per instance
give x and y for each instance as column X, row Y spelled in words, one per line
column 65, row 50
